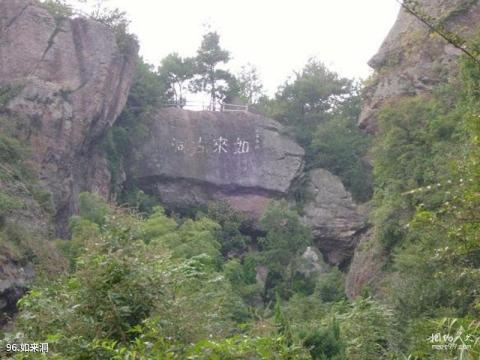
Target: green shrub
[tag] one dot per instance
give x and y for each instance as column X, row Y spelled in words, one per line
column 232, row 222
column 93, row 208
column 8, row 93
column 331, row 286
column 59, row 9
column 8, row 204
column 340, row 147
column 325, row 343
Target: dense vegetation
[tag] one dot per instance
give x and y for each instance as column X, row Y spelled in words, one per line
column 158, row 286
column 144, row 283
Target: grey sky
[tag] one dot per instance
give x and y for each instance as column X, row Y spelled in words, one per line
column 276, row 36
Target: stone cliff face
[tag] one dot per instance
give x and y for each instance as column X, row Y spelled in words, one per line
column 73, row 81
column 190, row 158
column 67, row 81
column 335, row 219
column 412, row 60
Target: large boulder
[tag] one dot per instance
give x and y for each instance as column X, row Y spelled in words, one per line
column 335, row 219
column 412, row 60
column 192, row 157
column 71, row 80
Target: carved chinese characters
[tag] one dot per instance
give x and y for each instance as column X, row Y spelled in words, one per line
column 219, row 145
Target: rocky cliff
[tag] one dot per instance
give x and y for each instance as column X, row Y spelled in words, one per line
column 72, row 81
column 63, row 82
column 412, row 59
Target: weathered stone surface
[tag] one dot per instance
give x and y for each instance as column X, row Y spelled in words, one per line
column 333, row 216
column 73, row 80
column 190, row 157
column 69, row 81
column 412, row 60
column 13, row 284
column 366, row 266
column 312, row 263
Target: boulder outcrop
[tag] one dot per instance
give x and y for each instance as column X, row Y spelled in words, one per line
column 335, row 219
column 412, row 60
column 189, row 158
column 71, row 80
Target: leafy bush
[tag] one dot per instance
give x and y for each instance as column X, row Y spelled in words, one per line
column 369, row 329
column 59, row 9
column 232, row 222
column 340, row 147
column 325, row 343
column 7, row 93
column 285, row 241
column 331, row 286
column 122, row 282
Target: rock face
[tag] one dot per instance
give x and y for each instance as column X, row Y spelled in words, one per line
column 72, row 80
column 412, row 60
column 366, row 268
column 190, row 158
column 14, row 280
column 333, row 216
column 66, row 81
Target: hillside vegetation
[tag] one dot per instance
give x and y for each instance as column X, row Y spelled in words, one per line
column 140, row 281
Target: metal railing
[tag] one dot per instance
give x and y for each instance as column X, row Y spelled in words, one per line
column 234, row 107
column 203, row 106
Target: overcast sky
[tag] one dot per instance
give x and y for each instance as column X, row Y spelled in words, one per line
column 276, row 36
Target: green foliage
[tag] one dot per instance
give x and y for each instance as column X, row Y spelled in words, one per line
column 11, row 150
column 331, row 286
column 7, row 93
column 370, row 330
column 230, row 236
column 129, row 276
column 415, row 148
column 427, row 202
column 325, row 343
column 340, row 147
column 285, row 241
column 7, row 204
column 321, row 110
column 285, row 236
column 211, row 79
column 300, row 192
column 92, row 208
column 176, row 71
column 306, row 101
column 59, row 9
column 148, row 91
column 461, row 336
column 250, row 86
